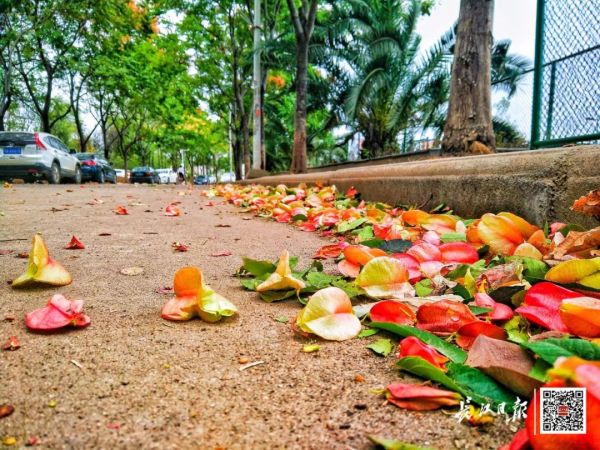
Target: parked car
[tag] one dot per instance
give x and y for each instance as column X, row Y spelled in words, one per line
column 167, row 176
column 144, row 174
column 201, row 179
column 95, row 168
column 227, row 177
column 34, row 156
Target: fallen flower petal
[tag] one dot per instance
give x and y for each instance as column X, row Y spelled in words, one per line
column 361, row 254
column 385, row 277
column 443, row 317
column 541, row 305
column 458, row 252
column 499, row 311
column 417, row 397
column 282, row 278
column 42, row 268
column 58, row 313
column 172, row 211
column 499, row 233
column 184, row 306
column 581, row 315
column 348, row 269
column 467, row 334
column 12, row 344
column 585, row 272
column 6, row 410
column 413, row 346
column 75, row 244
column 328, row 314
column 588, row 204
column 212, row 306
column 392, row 311
column 223, row 253
column 121, row 211
column 328, row 251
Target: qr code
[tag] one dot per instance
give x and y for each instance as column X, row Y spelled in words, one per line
column 562, row 411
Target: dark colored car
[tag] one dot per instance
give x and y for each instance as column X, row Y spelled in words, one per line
column 144, row 174
column 95, row 168
column 201, row 179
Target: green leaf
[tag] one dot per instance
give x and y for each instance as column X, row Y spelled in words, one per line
column 532, row 267
column 396, row 246
column 550, row 349
column 516, row 328
column 393, row 444
column 250, row 284
column 345, row 226
column 258, row 268
column 423, row 288
column 373, row 243
column 451, row 351
column 293, row 262
column 475, row 269
column 539, row 369
column 483, row 250
column 320, row 280
column 364, row 233
column 301, row 217
column 571, row 227
column 418, row 366
column 462, row 291
column 275, row 296
column 367, row 332
column 481, row 388
column 453, row 237
column 281, row 319
column 382, row 347
column 351, row 289
column 477, row 310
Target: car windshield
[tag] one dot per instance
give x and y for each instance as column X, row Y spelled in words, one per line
column 85, row 156
column 141, row 169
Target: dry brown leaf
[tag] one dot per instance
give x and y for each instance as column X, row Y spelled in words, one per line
column 577, row 243
column 588, row 204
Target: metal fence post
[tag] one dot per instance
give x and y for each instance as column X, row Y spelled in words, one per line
column 548, row 134
column 538, row 73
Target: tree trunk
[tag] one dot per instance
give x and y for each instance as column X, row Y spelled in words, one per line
column 299, row 154
column 469, row 122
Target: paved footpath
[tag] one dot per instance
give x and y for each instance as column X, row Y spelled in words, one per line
column 133, row 380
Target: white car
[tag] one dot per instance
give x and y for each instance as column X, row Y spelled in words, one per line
column 167, row 176
column 33, row 156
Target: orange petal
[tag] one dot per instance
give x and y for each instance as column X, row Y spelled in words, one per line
column 524, row 227
column 414, row 216
column 581, row 315
column 361, row 254
column 187, row 282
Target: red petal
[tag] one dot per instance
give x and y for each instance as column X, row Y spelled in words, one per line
column 499, row 311
column 411, row 264
column 458, row 252
column 58, row 313
column 121, row 211
column 425, row 251
column 328, row 251
column 443, row 317
column 392, row 311
column 75, row 244
column 541, row 305
column 420, row 398
column 469, row 332
column 12, row 344
column 413, row 346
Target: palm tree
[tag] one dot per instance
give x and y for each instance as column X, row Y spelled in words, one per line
column 391, row 85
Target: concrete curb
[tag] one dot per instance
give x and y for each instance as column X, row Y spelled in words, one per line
column 540, row 185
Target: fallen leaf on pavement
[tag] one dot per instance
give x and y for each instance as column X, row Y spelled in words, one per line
column 588, row 204
column 9, row 440
column 23, row 255
column 179, row 247
column 12, row 344
column 223, row 253
column 310, row 348
column 32, row 441
column 132, row 271
column 75, row 244
column 6, row 410
column 6, row 252
column 113, row 426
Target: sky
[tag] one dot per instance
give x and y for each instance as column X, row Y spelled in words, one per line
column 513, row 19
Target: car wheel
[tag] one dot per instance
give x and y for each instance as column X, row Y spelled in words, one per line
column 54, row 177
column 77, row 177
column 101, row 177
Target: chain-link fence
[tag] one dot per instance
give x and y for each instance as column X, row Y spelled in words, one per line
column 566, row 85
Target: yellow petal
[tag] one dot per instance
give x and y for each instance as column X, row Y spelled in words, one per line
column 574, row 270
column 212, row 306
column 42, row 268
column 282, row 278
column 385, row 277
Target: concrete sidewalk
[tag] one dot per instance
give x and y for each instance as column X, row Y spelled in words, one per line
column 539, row 185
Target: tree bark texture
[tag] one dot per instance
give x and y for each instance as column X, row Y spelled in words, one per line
column 469, row 123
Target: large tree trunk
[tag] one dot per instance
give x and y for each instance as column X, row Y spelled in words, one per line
column 469, row 123
column 299, row 154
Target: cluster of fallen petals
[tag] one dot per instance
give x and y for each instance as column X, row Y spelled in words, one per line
column 476, row 301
